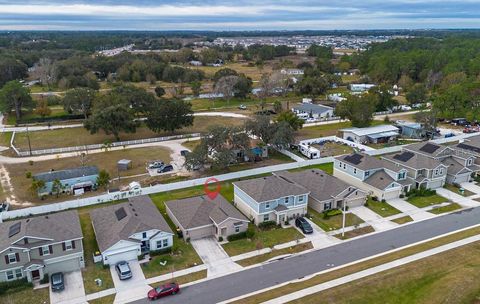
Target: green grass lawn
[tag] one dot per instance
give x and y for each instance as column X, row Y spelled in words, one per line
column 28, row 295
column 333, row 222
column 92, row 271
column 383, row 209
column 457, row 190
column 274, row 253
column 182, row 256
column 262, row 239
column 326, row 130
column 103, row 300
column 425, row 201
column 447, row 208
column 327, row 167
column 354, row 233
column 403, row 220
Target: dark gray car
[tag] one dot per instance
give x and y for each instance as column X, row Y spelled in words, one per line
column 57, row 282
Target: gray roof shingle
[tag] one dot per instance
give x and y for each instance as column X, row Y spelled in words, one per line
column 417, row 161
column 268, row 188
column 66, row 174
column 59, row 227
column 200, row 211
column 140, row 214
column 367, row 162
column 379, row 180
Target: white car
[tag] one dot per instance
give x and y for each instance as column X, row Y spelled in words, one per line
column 310, row 120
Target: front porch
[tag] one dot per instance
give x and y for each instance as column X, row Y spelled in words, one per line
column 34, row 270
column 284, row 214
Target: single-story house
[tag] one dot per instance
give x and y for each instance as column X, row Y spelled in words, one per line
column 292, row 71
column 360, row 87
column 74, row 181
column 312, row 110
column 326, row 191
column 270, row 198
column 412, row 129
column 40, row 245
column 199, row 217
column 125, row 231
column 377, row 134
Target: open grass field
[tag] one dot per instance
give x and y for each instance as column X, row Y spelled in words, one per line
column 79, row 136
column 56, row 111
column 262, row 239
column 448, row 277
column 254, row 72
column 425, row 201
column 105, row 160
column 333, row 222
column 383, row 209
column 326, row 130
column 458, row 271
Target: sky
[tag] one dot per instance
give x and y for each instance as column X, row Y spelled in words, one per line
column 238, row 15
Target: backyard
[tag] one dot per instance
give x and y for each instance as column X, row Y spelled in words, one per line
column 327, row 167
column 326, row 129
column 426, row 201
column 333, row 221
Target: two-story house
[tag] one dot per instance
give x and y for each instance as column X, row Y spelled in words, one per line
column 270, row 198
column 373, row 175
column 423, row 171
column 326, row 191
column 459, row 159
column 125, row 231
column 33, row 247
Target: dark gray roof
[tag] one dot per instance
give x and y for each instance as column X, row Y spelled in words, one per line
column 120, row 221
column 268, row 188
column 310, row 107
column 428, row 148
column 58, row 227
column 413, row 160
column 66, row 174
column 200, row 211
column 367, row 162
column 379, row 180
column 454, row 167
column 321, row 185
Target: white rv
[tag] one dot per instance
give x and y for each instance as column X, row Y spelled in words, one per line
column 309, row 151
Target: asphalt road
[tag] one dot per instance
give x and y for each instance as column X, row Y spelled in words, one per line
column 244, row 282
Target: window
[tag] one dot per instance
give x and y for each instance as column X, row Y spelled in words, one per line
column 10, row 275
column 68, row 245
column 441, row 171
column 266, row 217
column 267, row 205
column 367, row 173
column 436, row 172
column 162, row 243
column 237, row 229
column 286, row 200
column 327, row 206
column 165, row 243
column 12, row 258
column 469, row 161
column 401, row 175
column 354, row 170
column 300, row 198
column 339, row 164
column 144, row 235
column 45, row 250
column 18, row 273
column 344, row 166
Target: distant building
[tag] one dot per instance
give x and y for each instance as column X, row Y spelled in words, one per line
column 74, row 181
column 292, row 71
column 312, row 110
column 195, row 63
column 378, row 134
column 360, row 87
column 412, row 129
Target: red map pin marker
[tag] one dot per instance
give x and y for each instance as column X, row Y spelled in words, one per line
column 212, row 194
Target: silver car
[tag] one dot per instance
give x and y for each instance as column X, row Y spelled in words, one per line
column 123, row 270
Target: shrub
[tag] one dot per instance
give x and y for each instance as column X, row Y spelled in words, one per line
column 250, row 232
column 30, row 162
column 402, row 195
column 45, row 279
column 267, row 225
column 28, row 174
column 421, row 192
column 14, row 286
column 366, row 204
column 160, row 251
column 384, row 201
column 237, row 236
column 374, row 198
column 220, row 238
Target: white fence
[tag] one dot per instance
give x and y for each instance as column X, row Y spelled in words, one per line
column 88, row 201
column 97, row 146
column 352, row 144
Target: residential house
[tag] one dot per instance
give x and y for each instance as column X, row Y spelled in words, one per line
column 360, row 87
column 412, row 129
column 423, row 171
column 377, row 134
column 375, row 176
column 326, row 191
column 74, row 181
column 199, row 217
column 36, row 246
column 125, row 231
column 292, row 71
column 270, row 198
column 310, row 110
column 460, row 159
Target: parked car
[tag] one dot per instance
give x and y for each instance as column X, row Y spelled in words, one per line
column 156, row 165
column 184, row 152
column 4, row 206
column 57, row 282
column 303, row 225
column 163, row 290
column 123, row 270
column 242, row 107
column 165, row 168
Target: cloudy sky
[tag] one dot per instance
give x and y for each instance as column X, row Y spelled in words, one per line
column 237, row 15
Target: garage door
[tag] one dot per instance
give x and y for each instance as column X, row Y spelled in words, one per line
column 195, row 234
column 113, row 259
column 462, row 178
column 435, row 184
column 391, row 195
column 356, row 202
column 64, row 266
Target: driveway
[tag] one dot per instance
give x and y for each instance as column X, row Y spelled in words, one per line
column 319, row 238
column 414, row 212
column 378, row 222
column 132, row 289
column 74, row 292
column 214, row 257
column 457, row 198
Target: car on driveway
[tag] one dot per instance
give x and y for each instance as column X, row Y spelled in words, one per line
column 156, row 165
column 57, row 282
column 123, row 270
column 163, row 290
column 303, row 225
column 165, row 168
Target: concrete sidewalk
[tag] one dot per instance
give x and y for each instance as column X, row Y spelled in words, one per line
column 457, row 198
column 378, row 222
column 414, row 212
column 215, row 258
column 371, row 271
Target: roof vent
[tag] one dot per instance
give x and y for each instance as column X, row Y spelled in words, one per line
column 28, row 220
column 136, row 214
column 130, row 204
column 133, row 209
column 46, row 216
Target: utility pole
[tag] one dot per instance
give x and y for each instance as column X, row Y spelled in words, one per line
column 29, row 145
column 343, row 219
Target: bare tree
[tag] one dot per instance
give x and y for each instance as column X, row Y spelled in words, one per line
column 226, row 86
column 44, row 70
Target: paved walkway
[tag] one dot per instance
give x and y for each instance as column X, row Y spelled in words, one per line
column 471, row 187
column 368, row 272
column 457, row 198
column 132, row 289
column 414, row 212
column 215, row 258
column 74, row 292
column 378, row 222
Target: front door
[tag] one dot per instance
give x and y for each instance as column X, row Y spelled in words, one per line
column 36, row 274
column 224, row 231
column 282, row 218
